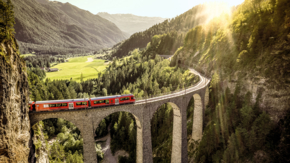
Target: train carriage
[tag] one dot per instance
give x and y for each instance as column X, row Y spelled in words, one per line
column 112, row 100
column 126, row 99
column 102, row 101
column 61, row 104
column 81, row 103
column 31, row 105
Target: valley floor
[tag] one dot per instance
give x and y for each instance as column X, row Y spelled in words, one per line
column 87, row 66
column 108, row 156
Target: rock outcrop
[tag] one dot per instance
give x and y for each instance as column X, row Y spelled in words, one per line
column 272, row 100
column 14, row 94
column 40, row 145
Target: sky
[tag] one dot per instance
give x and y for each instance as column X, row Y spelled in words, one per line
column 151, row 8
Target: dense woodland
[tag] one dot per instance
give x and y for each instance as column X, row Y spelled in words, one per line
column 43, row 61
column 60, row 139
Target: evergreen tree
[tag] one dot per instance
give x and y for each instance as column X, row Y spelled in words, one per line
column 104, row 91
column 82, row 77
column 9, row 18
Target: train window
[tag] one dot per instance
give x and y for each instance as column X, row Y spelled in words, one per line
column 64, row 104
column 58, row 105
column 111, row 101
column 125, row 98
column 52, row 105
column 99, row 102
column 107, row 101
column 81, row 103
column 45, row 106
column 132, row 98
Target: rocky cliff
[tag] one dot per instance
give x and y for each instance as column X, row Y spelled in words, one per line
column 14, row 118
column 40, row 145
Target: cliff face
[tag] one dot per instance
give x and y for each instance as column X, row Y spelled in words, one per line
column 14, row 118
column 274, row 101
column 41, row 146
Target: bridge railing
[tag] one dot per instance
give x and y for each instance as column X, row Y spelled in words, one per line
column 199, row 69
column 167, row 93
column 171, row 92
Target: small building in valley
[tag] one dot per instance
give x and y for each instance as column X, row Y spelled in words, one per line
column 52, row 70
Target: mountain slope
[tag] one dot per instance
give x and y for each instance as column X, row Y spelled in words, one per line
column 49, row 27
column 181, row 24
column 250, row 48
column 131, row 23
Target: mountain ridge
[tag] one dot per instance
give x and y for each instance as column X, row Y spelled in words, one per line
column 55, row 27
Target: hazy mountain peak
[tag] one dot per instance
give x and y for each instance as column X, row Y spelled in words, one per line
column 130, row 23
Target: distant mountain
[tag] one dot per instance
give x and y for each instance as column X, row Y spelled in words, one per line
column 53, row 27
column 198, row 15
column 131, row 24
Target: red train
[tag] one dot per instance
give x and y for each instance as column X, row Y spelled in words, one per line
column 81, row 103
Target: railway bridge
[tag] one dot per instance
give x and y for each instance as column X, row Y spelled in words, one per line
column 143, row 110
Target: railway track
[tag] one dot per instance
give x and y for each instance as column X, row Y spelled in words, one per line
column 201, row 84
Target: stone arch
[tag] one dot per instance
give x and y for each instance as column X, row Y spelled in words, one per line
column 36, row 118
column 139, row 132
column 197, row 126
column 206, row 97
column 176, row 155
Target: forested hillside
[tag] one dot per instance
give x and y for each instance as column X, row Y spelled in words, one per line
column 247, row 54
column 181, row 24
column 251, row 45
column 131, row 24
column 53, row 27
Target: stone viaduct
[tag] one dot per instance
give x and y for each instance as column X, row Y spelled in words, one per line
column 88, row 120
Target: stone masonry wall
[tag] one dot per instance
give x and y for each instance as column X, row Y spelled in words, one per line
column 14, row 119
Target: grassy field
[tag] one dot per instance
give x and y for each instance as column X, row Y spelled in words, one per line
column 76, row 66
column 27, row 55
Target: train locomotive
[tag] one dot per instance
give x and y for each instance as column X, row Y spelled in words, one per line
column 72, row 104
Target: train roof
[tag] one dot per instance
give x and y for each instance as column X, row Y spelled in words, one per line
column 109, row 97
column 57, row 101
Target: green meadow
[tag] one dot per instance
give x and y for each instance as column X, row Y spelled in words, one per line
column 77, row 66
